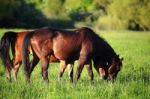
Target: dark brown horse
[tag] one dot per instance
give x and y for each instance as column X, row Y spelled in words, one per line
column 82, row 44
column 14, row 41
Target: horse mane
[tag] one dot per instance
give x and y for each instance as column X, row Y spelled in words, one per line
column 103, row 49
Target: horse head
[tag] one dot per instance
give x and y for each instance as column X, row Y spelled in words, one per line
column 109, row 70
column 114, row 68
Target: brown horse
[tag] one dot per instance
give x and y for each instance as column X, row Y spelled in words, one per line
column 15, row 41
column 81, row 44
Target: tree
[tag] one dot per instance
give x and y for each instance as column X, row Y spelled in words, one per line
column 133, row 14
column 7, row 7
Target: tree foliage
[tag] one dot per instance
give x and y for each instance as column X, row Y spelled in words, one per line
column 7, row 7
column 102, row 14
column 132, row 13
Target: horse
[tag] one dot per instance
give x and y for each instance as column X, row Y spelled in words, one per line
column 81, row 44
column 14, row 40
column 11, row 40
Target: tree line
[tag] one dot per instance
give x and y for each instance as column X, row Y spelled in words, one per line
column 101, row 14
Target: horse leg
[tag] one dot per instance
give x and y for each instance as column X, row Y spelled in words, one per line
column 101, row 72
column 81, row 62
column 16, row 69
column 33, row 63
column 45, row 65
column 8, row 69
column 70, row 72
column 8, row 73
column 62, row 69
column 90, row 71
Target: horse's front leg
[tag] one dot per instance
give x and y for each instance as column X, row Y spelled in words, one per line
column 45, row 65
column 81, row 63
column 101, row 70
column 70, row 72
column 62, row 69
column 90, row 71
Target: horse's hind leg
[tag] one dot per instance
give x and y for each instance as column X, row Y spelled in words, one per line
column 90, row 71
column 33, row 63
column 8, row 69
column 70, row 72
column 45, row 65
column 16, row 69
column 8, row 73
column 62, row 69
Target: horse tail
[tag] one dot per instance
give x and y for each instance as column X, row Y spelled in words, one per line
column 6, row 41
column 25, row 53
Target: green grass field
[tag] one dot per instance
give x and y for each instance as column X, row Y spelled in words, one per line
column 133, row 81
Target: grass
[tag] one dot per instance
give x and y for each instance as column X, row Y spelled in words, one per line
column 132, row 81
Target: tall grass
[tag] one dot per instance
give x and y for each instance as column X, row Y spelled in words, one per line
column 132, row 82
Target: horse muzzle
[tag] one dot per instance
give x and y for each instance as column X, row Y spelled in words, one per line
column 104, row 77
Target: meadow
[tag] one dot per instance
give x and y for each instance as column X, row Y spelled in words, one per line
column 133, row 81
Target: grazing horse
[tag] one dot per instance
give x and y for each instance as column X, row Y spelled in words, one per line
column 14, row 41
column 81, row 44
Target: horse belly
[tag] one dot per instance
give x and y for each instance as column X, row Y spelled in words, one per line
column 66, row 47
column 61, row 53
column 64, row 51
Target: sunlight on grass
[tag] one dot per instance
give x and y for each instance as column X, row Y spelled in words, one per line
column 132, row 81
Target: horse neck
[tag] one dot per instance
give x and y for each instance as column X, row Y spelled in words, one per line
column 104, row 51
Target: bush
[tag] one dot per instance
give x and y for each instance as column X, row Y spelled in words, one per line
column 110, row 23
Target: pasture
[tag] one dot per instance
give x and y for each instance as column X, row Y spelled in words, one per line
column 133, row 81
